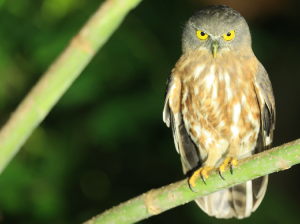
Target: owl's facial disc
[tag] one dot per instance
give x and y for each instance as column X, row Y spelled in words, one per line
column 215, row 43
column 217, row 30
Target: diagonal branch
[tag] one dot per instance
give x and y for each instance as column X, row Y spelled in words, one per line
column 60, row 75
column 159, row 200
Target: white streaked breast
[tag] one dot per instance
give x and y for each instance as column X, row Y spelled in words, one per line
column 197, row 72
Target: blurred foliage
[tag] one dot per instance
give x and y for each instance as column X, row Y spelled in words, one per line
column 105, row 142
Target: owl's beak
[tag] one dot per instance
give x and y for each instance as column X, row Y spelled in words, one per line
column 214, row 46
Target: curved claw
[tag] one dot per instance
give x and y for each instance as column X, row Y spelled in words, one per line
column 220, row 172
column 231, row 168
column 202, row 172
column 191, row 187
column 203, row 178
column 229, row 160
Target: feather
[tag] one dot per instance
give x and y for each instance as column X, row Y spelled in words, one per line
column 166, row 111
column 241, row 200
column 183, row 143
column 259, row 187
column 185, row 146
column 218, row 204
column 194, row 112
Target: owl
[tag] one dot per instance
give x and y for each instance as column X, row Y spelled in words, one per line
column 220, row 104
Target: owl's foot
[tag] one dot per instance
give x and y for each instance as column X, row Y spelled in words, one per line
column 229, row 160
column 202, row 172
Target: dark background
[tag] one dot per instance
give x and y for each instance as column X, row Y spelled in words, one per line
column 105, row 141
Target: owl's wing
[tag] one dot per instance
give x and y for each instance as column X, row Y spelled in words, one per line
column 264, row 93
column 183, row 143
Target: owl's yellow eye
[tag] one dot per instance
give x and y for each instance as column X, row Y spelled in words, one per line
column 229, row 36
column 201, row 35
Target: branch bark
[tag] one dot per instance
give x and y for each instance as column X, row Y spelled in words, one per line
column 60, row 75
column 159, row 200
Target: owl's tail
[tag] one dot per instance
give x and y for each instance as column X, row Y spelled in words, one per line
column 238, row 201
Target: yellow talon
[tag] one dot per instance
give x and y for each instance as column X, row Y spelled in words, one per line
column 194, row 177
column 200, row 172
column 233, row 161
column 229, row 160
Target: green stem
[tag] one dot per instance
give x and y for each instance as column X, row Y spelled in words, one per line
column 159, row 200
column 60, row 75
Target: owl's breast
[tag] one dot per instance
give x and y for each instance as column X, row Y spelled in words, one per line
column 223, row 99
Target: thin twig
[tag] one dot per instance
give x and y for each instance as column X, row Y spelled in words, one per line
column 159, row 200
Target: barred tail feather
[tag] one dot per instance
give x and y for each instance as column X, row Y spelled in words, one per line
column 261, row 184
column 218, row 204
column 238, row 201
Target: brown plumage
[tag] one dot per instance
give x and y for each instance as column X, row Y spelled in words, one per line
column 221, row 107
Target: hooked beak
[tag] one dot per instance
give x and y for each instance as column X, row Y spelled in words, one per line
column 214, row 46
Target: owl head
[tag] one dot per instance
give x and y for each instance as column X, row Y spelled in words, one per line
column 216, row 29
